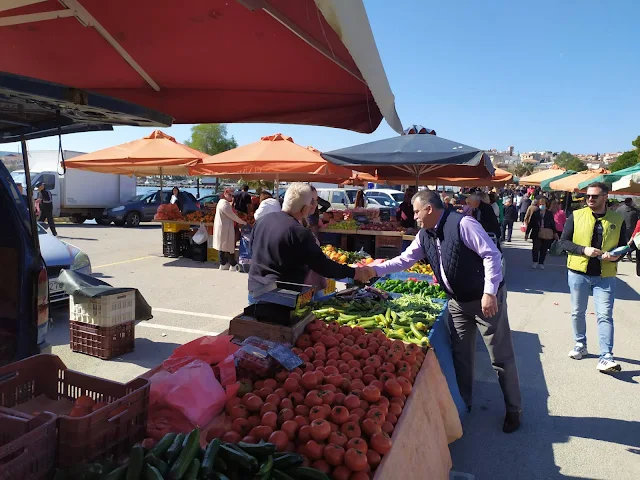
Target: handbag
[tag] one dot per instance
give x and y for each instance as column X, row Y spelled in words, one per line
column 555, row 249
column 545, row 234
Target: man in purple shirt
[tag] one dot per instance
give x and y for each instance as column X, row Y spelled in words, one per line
column 467, row 265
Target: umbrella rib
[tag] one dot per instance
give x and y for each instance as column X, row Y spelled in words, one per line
column 34, row 17
column 85, row 18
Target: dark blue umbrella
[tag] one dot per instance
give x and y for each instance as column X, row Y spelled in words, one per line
column 414, row 158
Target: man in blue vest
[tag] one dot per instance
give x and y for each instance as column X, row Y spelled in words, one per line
column 467, row 264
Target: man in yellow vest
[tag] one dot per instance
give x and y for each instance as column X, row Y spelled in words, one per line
column 588, row 236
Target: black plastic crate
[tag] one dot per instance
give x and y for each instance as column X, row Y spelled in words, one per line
column 199, row 252
column 184, row 242
column 171, row 244
column 365, row 242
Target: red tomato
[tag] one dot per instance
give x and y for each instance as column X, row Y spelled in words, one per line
column 369, row 427
column 371, row 394
column 355, row 460
column 360, row 412
column 353, row 418
column 405, row 384
column 375, row 361
column 364, row 405
column 355, row 372
column 334, row 454
column 314, row 450
column 351, row 402
column 231, row 437
column 254, row 420
column 304, row 434
column 373, row 458
column 290, row 427
column 397, row 400
column 262, row 432
column 341, row 473
column 296, row 398
column 395, row 408
column 268, row 407
column 376, row 415
column 343, row 367
column 301, row 420
column 339, row 415
column 320, row 430
column 357, row 443
column 393, row 388
column 252, row 402
column 291, row 385
column 338, row 438
column 378, row 384
column 367, row 378
column 351, row 430
column 286, row 403
column 381, row 443
column 270, row 419
column 281, row 392
column 231, row 402
column 387, row 427
column 239, row 411
column 285, row 415
column 241, row 425
column 327, row 397
column 249, row 439
column 280, row 439
column 318, row 413
column 313, row 399
column 301, row 410
column 392, row 418
column 264, row 392
column 273, row 399
column 353, row 363
column 339, row 398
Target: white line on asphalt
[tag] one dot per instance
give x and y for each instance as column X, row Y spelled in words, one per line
column 193, row 314
column 123, row 261
column 176, row 329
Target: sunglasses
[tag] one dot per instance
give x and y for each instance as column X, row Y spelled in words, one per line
column 593, row 197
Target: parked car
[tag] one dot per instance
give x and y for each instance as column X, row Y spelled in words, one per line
column 24, row 305
column 144, row 209
column 339, row 198
column 386, row 196
column 60, row 255
column 212, row 198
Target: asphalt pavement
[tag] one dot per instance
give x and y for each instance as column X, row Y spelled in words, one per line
column 577, row 423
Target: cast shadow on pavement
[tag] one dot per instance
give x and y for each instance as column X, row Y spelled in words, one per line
column 528, row 453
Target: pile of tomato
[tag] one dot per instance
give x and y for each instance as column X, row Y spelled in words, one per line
column 339, row 408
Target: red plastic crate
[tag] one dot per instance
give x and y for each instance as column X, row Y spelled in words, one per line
column 27, row 445
column 110, row 430
column 102, row 342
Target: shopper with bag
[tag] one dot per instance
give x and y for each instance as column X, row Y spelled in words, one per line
column 542, row 230
column 224, row 233
column 405, row 210
column 634, row 243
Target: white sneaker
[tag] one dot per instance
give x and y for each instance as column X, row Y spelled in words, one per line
column 608, row 365
column 541, row 266
column 234, row 268
column 578, row 351
column 534, row 265
column 225, row 266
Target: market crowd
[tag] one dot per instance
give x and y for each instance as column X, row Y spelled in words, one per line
column 461, row 236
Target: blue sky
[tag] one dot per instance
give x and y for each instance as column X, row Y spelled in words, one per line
column 552, row 75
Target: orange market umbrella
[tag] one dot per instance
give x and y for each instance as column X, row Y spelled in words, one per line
column 156, row 154
column 535, row 178
column 572, row 182
column 499, row 178
column 272, row 156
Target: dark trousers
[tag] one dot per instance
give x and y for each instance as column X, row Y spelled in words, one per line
column 47, row 214
column 467, row 319
column 507, row 230
column 540, row 249
column 522, row 214
column 226, row 257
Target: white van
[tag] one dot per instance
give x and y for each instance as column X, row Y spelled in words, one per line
column 386, row 196
column 339, row 198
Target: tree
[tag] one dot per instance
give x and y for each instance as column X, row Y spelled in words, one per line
column 626, row 160
column 522, row 170
column 211, row 138
column 570, row 162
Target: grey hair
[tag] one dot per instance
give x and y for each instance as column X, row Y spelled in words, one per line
column 428, row 197
column 297, row 197
column 535, row 201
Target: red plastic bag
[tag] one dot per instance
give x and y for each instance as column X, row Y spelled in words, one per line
column 190, row 391
column 212, row 350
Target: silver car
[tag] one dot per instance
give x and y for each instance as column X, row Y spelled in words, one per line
column 58, row 255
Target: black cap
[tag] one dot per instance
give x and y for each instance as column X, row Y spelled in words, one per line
column 38, row 184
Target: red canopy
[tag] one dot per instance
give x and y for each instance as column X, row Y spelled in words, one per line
column 208, row 61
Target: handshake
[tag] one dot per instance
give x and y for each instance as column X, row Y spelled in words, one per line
column 365, row 274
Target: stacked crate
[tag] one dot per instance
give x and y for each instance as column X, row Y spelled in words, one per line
column 104, row 326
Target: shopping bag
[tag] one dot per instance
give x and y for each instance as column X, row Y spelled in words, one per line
column 192, row 390
column 201, row 236
column 210, row 349
column 636, row 240
column 523, row 228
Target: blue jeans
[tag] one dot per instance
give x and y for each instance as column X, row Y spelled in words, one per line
column 603, row 290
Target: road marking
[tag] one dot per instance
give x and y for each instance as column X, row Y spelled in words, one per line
column 192, row 314
column 176, row 329
column 124, row 261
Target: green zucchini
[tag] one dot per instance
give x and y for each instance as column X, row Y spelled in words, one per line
column 163, row 445
column 260, row 450
column 136, row 462
column 265, row 467
column 209, row 458
column 176, row 447
column 278, row 475
column 307, row 473
column 154, row 461
column 221, row 476
column 219, row 465
column 288, row 461
column 118, row 474
column 192, row 472
column 152, row 473
column 238, row 457
column 189, row 451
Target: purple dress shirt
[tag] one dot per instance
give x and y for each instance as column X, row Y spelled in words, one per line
column 474, row 237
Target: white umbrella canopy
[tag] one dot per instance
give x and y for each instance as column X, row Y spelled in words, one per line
column 627, row 185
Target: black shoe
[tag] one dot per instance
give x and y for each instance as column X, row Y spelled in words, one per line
column 511, row 422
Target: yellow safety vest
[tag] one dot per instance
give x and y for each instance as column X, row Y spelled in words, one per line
column 583, row 224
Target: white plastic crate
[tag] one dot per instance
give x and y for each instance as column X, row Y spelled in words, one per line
column 106, row 311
